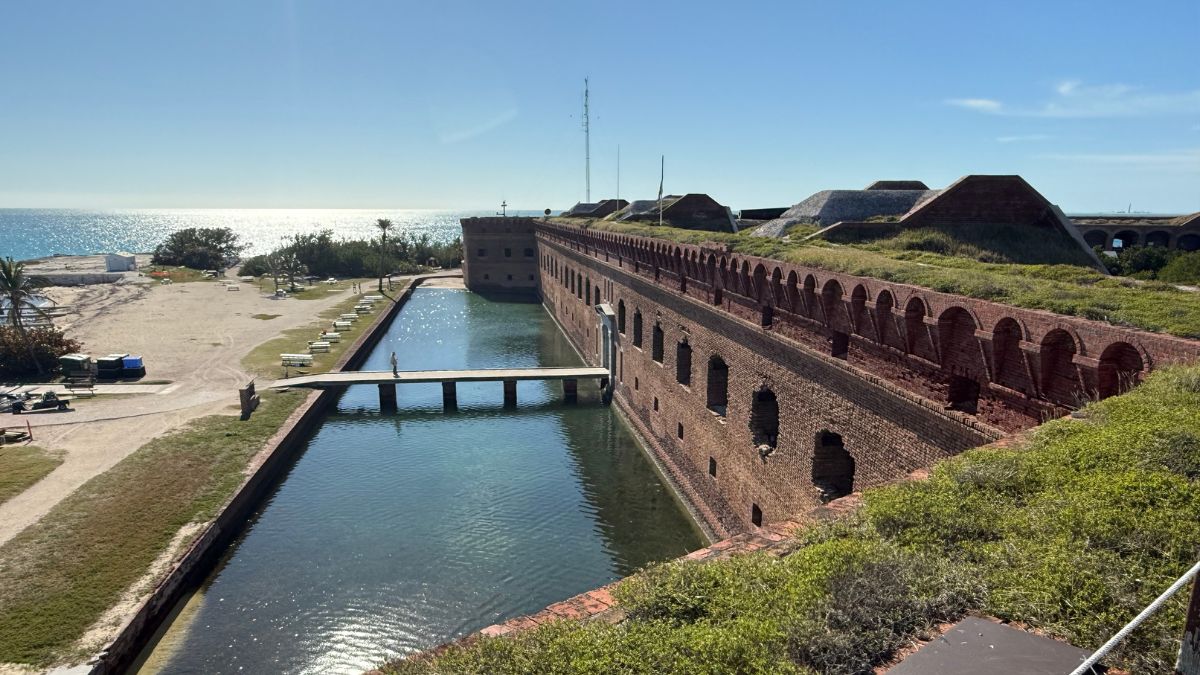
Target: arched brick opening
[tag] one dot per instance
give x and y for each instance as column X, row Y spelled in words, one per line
column 793, row 293
column 1188, row 242
column 1008, row 361
column 596, row 296
column 1120, row 367
column 884, row 322
column 1127, row 237
column 832, row 306
column 959, row 346
column 1158, row 238
column 764, row 418
column 1060, row 376
column 778, row 298
column 809, row 297
column 1096, row 238
column 860, row 320
column 916, row 334
column 637, row 328
column 587, row 290
column 832, row 467
column 683, row 363
column 718, row 385
column 621, row 317
column 656, row 343
column 759, row 284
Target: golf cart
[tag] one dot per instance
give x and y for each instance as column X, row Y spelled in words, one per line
column 46, row 401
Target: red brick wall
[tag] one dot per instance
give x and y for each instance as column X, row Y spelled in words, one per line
column 487, row 268
column 889, row 432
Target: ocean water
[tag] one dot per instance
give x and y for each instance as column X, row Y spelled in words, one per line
column 34, row 233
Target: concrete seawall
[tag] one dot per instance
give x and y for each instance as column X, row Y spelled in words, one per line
column 266, row 468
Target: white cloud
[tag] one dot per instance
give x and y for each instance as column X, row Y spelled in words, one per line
column 983, row 104
column 1023, row 138
column 1074, row 99
column 1172, row 159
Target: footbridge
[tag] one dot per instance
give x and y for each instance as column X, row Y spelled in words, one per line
column 387, row 380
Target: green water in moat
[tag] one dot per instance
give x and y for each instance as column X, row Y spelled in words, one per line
column 396, row 532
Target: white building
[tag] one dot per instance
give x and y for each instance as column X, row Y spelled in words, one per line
column 120, row 262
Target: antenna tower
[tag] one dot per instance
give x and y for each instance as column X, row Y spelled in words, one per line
column 587, row 146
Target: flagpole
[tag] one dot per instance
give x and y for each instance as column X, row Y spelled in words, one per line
column 662, row 169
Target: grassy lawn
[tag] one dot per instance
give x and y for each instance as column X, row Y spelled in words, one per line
column 1073, row 534
column 263, row 360
column 22, row 466
column 177, row 275
column 976, row 269
column 62, row 573
column 318, row 290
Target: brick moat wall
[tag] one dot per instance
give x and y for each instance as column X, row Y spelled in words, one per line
column 832, row 382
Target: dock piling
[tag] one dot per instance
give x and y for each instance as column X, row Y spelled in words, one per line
column 450, row 395
column 570, row 390
column 387, row 397
column 510, row 393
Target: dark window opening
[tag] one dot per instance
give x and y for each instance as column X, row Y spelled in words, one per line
column 679, row 430
column 635, row 384
column 486, row 276
column 656, row 346
column 756, row 515
column 839, row 345
column 481, row 253
column 712, row 467
column 655, row 404
column 963, row 394
column 683, row 363
column 832, row 468
column 637, row 328
column 621, row 317
column 621, row 367
column 597, row 291
column 764, row 419
column 528, row 253
column 531, row 277
column 718, row 385
column 508, row 253
column 510, row 277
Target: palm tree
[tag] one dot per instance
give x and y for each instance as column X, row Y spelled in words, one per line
column 19, row 290
column 384, row 225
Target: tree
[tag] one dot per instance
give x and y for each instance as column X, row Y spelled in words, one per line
column 202, row 248
column 18, row 291
column 1183, row 269
column 384, row 225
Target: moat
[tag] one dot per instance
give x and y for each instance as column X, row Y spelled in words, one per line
column 396, row 532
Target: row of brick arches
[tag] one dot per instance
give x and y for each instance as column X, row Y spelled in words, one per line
column 972, row 346
column 1106, row 239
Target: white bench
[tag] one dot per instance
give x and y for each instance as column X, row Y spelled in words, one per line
column 372, row 298
column 296, row 360
column 349, row 317
column 330, row 337
column 318, row 346
column 341, row 324
column 362, row 309
column 231, row 287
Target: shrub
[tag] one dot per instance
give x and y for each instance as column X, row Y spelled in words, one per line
column 1183, row 269
column 18, row 350
column 201, row 248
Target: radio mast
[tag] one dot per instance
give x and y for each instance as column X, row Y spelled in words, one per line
column 587, row 147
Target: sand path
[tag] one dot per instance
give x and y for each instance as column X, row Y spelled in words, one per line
column 193, row 334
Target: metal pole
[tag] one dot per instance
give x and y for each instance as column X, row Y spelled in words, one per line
column 1189, row 651
column 1153, row 607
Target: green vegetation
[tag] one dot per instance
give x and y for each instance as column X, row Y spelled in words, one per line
column 62, row 573
column 201, row 248
column 265, row 317
column 28, row 351
column 321, row 255
column 177, row 274
column 1156, row 262
column 1072, row 290
column 22, row 466
column 1183, row 269
column 1072, row 534
column 263, row 360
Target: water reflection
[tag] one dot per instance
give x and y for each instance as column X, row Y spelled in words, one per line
column 396, row 532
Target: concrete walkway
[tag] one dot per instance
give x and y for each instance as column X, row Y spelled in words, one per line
column 414, row 376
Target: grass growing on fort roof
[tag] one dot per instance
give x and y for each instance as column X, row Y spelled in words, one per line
column 62, row 573
column 933, row 260
column 1072, row 534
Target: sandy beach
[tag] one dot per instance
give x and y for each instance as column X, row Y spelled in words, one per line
column 192, row 336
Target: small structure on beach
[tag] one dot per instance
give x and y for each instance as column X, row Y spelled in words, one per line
column 120, row 262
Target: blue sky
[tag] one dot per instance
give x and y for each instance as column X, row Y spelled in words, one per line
column 279, row 103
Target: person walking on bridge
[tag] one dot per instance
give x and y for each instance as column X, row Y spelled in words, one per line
column 395, row 373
